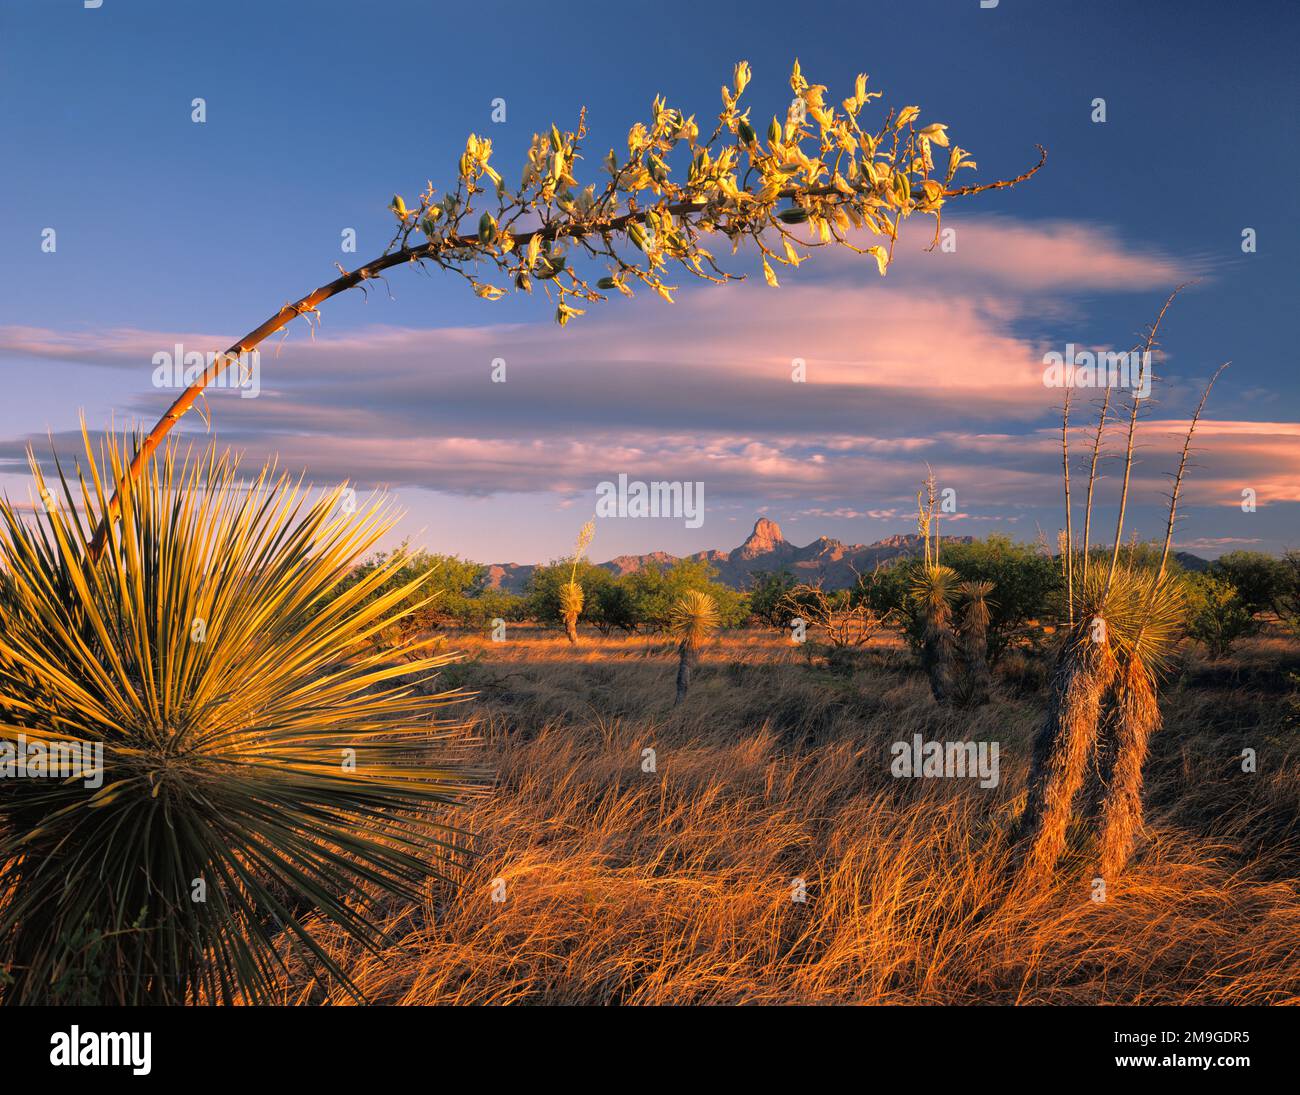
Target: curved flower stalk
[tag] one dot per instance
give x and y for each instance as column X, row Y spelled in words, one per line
column 820, row 177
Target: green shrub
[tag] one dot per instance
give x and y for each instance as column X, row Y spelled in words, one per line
column 543, row 596
column 767, row 595
column 1258, row 578
column 1217, row 614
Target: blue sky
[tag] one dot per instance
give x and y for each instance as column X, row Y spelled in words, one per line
column 317, row 113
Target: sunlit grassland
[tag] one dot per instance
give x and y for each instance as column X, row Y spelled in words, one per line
column 677, row 886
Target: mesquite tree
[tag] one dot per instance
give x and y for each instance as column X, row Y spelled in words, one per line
column 818, row 178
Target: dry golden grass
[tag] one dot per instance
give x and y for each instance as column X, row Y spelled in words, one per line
column 623, row 886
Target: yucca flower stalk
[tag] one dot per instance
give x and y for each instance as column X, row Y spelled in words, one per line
column 694, row 618
column 263, row 758
column 977, row 678
column 826, row 174
column 571, row 595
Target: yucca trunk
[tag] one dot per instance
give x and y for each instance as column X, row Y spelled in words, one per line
column 1084, row 674
column 977, row 684
column 939, row 652
column 688, row 660
column 694, row 617
column 571, row 627
column 1135, row 718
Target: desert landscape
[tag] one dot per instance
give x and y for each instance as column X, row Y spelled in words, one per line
column 788, row 513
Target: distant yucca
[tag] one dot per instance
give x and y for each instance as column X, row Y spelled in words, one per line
column 571, row 596
column 693, row 619
column 977, row 679
column 571, row 600
column 933, row 590
column 263, row 758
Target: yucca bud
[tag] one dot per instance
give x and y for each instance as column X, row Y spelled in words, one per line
column 793, row 216
column 774, row 131
column 746, row 132
column 606, row 283
column 487, row 228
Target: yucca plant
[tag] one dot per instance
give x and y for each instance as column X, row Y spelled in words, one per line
column 571, row 595
column 262, row 757
column 571, row 599
column 977, row 678
column 1123, row 622
column 693, row 619
column 934, row 588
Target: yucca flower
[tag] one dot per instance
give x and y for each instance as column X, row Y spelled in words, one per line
column 263, row 758
column 693, row 618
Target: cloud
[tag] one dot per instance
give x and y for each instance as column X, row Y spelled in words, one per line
column 930, row 365
column 1045, row 257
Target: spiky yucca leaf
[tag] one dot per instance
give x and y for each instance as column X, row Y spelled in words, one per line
column 694, row 617
column 978, row 604
column 1143, row 612
column 571, row 601
column 262, row 757
column 934, row 588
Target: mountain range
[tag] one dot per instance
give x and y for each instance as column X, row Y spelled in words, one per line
column 765, row 549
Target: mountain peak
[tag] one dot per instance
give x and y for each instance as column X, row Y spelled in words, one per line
column 765, row 537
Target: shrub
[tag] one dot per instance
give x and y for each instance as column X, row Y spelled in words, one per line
column 1286, row 598
column 1026, row 584
column 844, row 622
column 767, row 595
column 654, row 590
column 1217, row 614
column 1257, row 578
column 544, row 596
column 441, row 585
